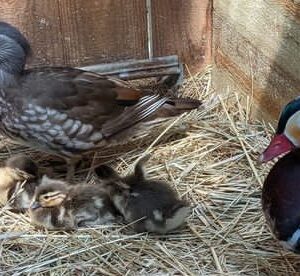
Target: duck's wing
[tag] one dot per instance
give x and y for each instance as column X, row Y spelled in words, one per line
column 71, row 109
column 85, row 96
column 108, row 104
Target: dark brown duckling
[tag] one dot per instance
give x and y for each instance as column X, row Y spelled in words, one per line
column 58, row 205
column 18, row 180
column 67, row 111
column 281, row 200
column 152, row 205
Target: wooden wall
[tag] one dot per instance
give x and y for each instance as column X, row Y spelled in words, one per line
column 257, row 50
column 81, row 32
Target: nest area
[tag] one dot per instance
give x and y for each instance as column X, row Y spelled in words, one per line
column 209, row 156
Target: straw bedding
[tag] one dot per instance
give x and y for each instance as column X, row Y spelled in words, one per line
column 209, row 156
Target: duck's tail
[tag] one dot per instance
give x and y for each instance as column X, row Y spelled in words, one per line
column 148, row 108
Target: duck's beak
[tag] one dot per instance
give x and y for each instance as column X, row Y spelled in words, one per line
column 35, row 205
column 280, row 144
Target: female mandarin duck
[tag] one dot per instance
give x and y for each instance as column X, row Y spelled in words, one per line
column 287, row 135
column 281, row 200
column 67, row 111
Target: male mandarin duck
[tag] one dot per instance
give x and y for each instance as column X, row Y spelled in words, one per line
column 287, row 135
column 281, row 193
column 67, row 111
column 281, row 200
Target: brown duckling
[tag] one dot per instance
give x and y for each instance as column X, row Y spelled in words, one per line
column 67, row 111
column 18, row 180
column 152, row 205
column 58, row 205
column 281, row 200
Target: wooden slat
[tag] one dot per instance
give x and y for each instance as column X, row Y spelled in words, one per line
column 103, row 30
column 183, row 28
column 41, row 26
column 139, row 69
column 258, row 43
column 80, row 32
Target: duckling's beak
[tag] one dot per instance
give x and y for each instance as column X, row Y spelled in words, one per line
column 280, row 144
column 35, row 205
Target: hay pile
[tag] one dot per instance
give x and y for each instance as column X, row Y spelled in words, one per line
column 213, row 165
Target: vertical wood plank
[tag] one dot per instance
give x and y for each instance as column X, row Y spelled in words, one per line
column 80, row 32
column 184, row 28
column 103, row 30
column 39, row 21
column 257, row 44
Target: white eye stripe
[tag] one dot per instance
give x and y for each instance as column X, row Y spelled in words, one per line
column 292, row 127
column 52, row 195
column 294, row 119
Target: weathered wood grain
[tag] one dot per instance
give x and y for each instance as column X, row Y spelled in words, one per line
column 183, row 28
column 258, row 43
column 39, row 22
column 103, row 30
column 79, row 32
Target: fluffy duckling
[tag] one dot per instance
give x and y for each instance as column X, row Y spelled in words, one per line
column 281, row 200
column 18, row 180
column 152, row 205
column 58, row 205
column 287, row 136
column 67, row 111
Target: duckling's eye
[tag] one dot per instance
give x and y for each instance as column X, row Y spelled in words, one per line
column 46, row 197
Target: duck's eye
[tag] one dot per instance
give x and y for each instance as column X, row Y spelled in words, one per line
column 46, row 197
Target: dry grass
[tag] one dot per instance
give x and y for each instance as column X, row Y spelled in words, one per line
column 213, row 165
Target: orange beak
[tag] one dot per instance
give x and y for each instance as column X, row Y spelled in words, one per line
column 280, row 144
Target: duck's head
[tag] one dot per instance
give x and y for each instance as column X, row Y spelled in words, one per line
column 287, row 136
column 50, row 193
column 110, row 180
column 14, row 49
column 114, row 183
column 23, row 163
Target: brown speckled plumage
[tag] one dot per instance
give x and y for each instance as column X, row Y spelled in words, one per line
column 58, row 205
column 67, row 111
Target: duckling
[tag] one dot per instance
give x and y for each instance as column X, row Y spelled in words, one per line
column 18, row 180
column 287, row 136
column 59, row 205
column 152, row 205
column 68, row 112
column 281, row 200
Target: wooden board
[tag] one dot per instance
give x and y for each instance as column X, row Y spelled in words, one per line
column 39, row 24
column 183, row 28
column 80, row 32
column 105, row 30
column 258, row 44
